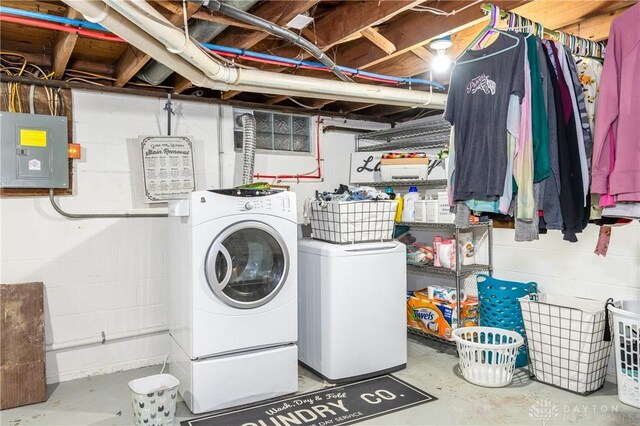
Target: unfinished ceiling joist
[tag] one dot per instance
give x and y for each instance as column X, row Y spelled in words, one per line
column 147, row 29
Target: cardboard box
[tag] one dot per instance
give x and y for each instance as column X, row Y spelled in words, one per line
column 439, row 318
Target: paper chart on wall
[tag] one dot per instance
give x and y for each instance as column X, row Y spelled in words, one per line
column 167, row 167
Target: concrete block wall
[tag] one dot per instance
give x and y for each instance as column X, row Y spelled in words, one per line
column 572, row 269
column 102, row 275
column 108, row 275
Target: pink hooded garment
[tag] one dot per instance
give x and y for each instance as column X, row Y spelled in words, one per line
column 616, row 169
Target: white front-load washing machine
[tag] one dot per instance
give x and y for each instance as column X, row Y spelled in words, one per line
column 233, row 276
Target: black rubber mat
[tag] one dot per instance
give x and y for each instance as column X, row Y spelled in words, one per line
column 340, row 405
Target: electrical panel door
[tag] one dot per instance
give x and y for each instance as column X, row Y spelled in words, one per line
column 33, row 151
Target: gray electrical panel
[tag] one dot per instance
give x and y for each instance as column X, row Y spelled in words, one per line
column 33, row 151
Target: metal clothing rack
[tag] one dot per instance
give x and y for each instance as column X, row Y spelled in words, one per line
column 433, row 133
column 578, row 45
column 429, row 134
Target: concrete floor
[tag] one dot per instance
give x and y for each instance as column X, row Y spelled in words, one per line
column 432, row 367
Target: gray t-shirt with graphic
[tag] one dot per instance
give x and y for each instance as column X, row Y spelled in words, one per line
column 477, row 105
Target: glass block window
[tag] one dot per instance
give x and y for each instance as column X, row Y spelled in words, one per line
column 279, row 132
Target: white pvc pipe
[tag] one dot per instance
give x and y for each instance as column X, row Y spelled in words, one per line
column 355, row 92
column 100, row 13
column 150, row 20
column 106, row 338
column 155, row 25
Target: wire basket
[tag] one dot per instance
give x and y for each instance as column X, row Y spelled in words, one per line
column 345, row 222
column 626, row 325
column 487, row 354
column 499, row 306
column 566, row 341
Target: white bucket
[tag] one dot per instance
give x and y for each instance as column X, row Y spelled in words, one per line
column 154, row 400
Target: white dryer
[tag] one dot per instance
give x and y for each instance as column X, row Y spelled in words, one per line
column 233, row 279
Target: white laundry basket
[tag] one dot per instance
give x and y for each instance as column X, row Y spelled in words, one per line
column 154, row 400
column 626, row 325
column 487, row 354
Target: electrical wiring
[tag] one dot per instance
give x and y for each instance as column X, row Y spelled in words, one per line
column 440, row 12
column 218, row 52
column 95, row 83
column 90, row 74
column 300, row 103
column 15, row 99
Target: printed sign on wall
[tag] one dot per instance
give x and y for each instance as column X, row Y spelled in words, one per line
column 167, row 167
column 365, row 167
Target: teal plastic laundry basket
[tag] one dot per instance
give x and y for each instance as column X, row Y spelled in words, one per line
column 499, row 307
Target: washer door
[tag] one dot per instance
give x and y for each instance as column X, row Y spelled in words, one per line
column 247, row 265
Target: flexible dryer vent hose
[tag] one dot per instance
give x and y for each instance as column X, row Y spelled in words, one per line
column 248, row 147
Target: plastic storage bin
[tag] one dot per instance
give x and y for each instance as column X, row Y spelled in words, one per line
column 154, row 399
column 626, row 324
column 487, row 354
column 353, row 221
column 566, row 341
column 499, row 307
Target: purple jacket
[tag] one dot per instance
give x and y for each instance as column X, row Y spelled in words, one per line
column 619, row 109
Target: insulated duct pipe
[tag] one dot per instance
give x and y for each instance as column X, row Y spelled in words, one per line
column 155, row 73
column 98, row 12
column 248, row 122
column 256, row 81
column 176, row 41
column 276, row 30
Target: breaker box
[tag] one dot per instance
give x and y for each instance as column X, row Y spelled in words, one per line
column 33, row 151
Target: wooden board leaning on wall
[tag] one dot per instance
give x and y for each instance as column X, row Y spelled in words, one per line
column 42, row 106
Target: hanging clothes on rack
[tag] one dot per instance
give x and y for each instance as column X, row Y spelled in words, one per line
column 589, row 75
column 531, row 159
column 551, row 217
column 616, row 154
column 481, row 83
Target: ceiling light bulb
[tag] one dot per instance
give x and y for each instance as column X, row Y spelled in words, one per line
column 440, row 63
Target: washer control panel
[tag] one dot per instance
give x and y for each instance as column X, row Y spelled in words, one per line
column 264, row 204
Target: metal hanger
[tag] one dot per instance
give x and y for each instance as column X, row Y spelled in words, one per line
column 489, row 29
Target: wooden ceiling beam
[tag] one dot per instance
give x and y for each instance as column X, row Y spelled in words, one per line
column 101, row 68
column 229, row 94
column 63, row 47
column 344, row 23
column 423, row 53
column 278, row 12
column 379, row 40
column 133, row 59
column 276, row 100
column 595, row 28
column 353, row 17
column 556, row 14
column 414, row 30
column 209, row 15
column 33, row 54
column 408, row 34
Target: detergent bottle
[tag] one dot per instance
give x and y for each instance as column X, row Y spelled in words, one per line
column 400, row 201
column 409, row 211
